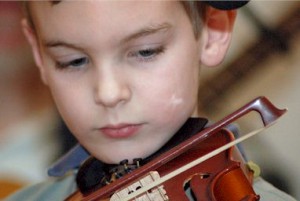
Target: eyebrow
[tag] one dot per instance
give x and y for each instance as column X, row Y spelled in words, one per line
column 54, row 2
column 140, row 33
column 58, row 43
column 147, row 31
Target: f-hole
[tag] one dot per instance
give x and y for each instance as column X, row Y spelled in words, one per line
column 187, row 185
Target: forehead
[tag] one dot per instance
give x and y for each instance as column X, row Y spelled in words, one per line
column 46, row 10
column 68, row 18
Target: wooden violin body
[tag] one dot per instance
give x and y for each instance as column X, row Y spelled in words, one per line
column 223, row 177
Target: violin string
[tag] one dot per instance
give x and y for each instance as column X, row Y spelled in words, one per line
column 191, row 164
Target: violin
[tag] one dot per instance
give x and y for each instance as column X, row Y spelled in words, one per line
column 208, row 164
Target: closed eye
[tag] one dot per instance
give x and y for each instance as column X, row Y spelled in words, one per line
column 75, row 63
column 147, row 54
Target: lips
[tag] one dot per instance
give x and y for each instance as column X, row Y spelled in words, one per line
column 120, row 130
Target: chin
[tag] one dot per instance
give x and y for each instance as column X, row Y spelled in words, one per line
column 115, row 158
column 115, row 153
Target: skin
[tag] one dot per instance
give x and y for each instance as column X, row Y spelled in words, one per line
column 124, row 84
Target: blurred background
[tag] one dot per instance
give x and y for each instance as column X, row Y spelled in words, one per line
column 264, row 59
column 30, row 129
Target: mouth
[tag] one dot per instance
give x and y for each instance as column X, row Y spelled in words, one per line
column 120, row 130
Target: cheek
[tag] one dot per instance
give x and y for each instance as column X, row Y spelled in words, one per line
column 172, row 94
column 182, row 86
column 182, row 99
column 71, row 105
column 181, row 82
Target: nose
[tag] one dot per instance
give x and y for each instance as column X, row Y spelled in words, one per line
column 111, row 89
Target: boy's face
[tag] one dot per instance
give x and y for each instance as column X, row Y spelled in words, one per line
column 124, row 75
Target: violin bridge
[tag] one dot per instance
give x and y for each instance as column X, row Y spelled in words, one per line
column 155, row 194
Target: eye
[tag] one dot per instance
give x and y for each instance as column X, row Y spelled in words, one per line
column 147, row 54
column 75, row 63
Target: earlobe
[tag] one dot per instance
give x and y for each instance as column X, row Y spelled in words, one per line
column 216, row 36
column 32, row 39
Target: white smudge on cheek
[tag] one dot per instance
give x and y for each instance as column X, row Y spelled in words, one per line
column 175, row 101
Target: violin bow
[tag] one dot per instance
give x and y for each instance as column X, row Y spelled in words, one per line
column 268, row 113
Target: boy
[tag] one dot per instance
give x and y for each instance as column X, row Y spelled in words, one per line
column 124, row 75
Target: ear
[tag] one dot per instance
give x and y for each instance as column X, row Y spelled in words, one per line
column 216, row 35
column 32, row 39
